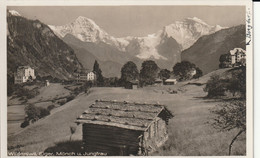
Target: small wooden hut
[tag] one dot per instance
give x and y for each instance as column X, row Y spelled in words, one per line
column 123, row 128
column 132, row 84
column 170, row 81
column 158, row 81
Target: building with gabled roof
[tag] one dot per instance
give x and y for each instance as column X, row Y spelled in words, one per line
column 238, row 57
column 86, row 76
column 24, row 74
column 124, row 128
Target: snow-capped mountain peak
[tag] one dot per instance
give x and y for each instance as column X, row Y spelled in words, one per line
column 83, row 28
column 81, row 20
column 14, row 13
column 188, row 31
column 197, row 20
column 185, row 32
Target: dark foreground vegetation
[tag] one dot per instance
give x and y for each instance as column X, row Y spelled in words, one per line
column 34, row 113
column 231, row 114
column 70, row 148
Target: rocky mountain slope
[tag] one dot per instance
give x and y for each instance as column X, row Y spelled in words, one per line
column 206, row 51
column 30, row 42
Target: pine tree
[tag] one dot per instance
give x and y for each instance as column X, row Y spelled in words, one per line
column 98, row 72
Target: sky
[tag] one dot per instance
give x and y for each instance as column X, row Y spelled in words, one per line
column 121, row 21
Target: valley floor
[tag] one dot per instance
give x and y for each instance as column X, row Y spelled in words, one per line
column 190, row 133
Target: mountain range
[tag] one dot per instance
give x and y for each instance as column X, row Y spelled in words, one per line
column 191, row 39
column 164, row 46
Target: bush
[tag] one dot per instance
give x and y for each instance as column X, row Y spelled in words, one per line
column 111, row 82
column 34, row 113
column 23, row 92
column 215, row 87
column 70, row 97
column 236, row 84
column 50, row 107
column 25, row 124
column 62, row 101
column 198, row 74
column 225, row 61
column 44, row 112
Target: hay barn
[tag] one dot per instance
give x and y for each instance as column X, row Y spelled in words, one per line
column 132, row 84
column 123, row 128
column 170, row 81
column 158, row 81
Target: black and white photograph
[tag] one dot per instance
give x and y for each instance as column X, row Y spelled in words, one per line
column 129, row 80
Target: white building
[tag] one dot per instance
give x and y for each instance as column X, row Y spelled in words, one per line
column 238, row 55
column 24, row 74
column 91, row 76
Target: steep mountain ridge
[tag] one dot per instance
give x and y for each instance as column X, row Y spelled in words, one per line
column 30, row 42
column 206, row 51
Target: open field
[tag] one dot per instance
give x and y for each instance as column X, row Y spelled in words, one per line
column 16, row 106
column 189, row 131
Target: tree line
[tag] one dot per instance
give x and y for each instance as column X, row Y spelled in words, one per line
column 148, row 73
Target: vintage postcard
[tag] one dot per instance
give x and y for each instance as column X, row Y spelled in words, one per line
column 128, row 79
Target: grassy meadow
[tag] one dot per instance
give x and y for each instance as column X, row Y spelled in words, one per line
column 190, row 131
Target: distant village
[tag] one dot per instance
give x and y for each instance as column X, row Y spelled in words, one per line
column 235, row 58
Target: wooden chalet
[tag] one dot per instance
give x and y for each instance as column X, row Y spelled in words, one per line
column 123, row 128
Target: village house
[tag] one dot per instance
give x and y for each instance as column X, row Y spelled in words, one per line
column 238, row 57
column 24, row 74
column 91, row 76
column 170, row 81
column 83, row 77
column 124, row 128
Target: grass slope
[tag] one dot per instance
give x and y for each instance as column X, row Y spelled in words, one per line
column 189, row 131
column 15, row 109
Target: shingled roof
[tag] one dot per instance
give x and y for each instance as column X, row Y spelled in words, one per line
column 135, row 116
